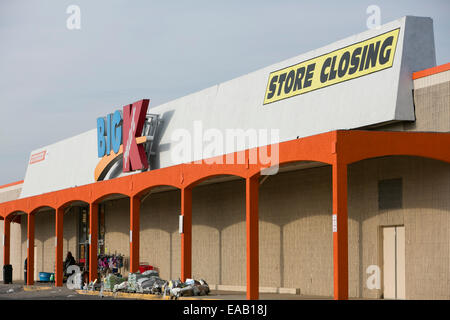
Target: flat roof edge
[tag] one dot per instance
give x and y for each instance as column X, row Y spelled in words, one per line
column 431, row 71
column 11, row 184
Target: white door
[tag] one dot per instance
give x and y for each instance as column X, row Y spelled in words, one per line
column 400, row 232
column 394, row 262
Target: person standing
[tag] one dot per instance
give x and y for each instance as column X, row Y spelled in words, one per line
column 25, row 271
column 70, row 260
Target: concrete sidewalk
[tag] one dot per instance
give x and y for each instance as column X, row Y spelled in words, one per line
column 214, row 295
column 42, row 291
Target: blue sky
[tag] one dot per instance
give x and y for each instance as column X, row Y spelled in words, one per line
column 55, row 82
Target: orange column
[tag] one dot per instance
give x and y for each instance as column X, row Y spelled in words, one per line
column 59, row 259
column 186, row 236
column 251, row 195
column 135, row 206
column 340, row 231
column 93, row 241
column 6, row 240
column 30, row 249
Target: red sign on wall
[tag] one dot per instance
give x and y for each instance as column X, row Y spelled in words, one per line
column 134, row 157
column 37, row 157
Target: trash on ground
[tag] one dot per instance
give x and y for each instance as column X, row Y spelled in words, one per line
column 150, row 282
column 120, row 286
column 175, row 288
column 91, row 286
column 150, row 273
column 111, row 280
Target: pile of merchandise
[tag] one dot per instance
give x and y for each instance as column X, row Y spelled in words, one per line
column 110, row 262
column 150, row 282
column 111, row 281
column 175, row 288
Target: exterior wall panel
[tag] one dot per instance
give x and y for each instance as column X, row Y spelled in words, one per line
column 218, row 233
column 15, row 251
column 70, row 232
column 44, row 242
column 297, row 206
column 160, row 242
column 9, row 195
column 117, row 229
column 425, row 215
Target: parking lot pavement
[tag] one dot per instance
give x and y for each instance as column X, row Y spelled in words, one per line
column 47, row 291
column 43, row 291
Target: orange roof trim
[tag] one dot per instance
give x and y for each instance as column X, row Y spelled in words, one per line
column 11, row 184
column 430, row 71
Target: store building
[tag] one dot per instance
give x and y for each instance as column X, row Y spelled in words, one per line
column 344, row 191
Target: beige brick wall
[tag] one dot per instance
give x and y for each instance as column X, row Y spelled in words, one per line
column 45, row 240
column 23, row 242
column 11, row 194
column 218, row 233
column 15, row 254
column 295, row 211
column 432, row 106
column 117, row 229
column 159, row 238
column 425, row 215
column 160, row 242
column 70, row 232
column 8, row 194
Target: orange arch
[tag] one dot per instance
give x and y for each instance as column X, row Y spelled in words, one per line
column 149, row 188
column 66, row 196
column 170, row 176
column 69, row 202
column 106, row 196
column 36, row 209
column 104, row 189
column 209, row 176
column 355, row 146
column 195, row 173
column 8, row 215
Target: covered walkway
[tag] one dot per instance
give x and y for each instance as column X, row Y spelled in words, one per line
column 337, row 148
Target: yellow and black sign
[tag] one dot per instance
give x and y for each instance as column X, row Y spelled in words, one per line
column 344, row 64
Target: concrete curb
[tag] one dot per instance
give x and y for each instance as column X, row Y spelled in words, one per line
column 35, row 288
column 221, row 287
column 141, row 296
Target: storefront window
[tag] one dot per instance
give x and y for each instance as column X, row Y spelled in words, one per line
column 101, row 229
column 83, row 237
column 83, row 234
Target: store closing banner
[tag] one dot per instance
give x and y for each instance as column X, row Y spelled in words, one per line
column 344, row 64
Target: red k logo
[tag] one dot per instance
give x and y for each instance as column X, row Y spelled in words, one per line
column 134, row 157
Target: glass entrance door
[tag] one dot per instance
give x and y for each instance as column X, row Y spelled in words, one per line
column 83, row 237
